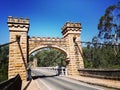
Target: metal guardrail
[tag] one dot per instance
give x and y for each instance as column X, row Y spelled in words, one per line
column 60, row 71
column 12, row 84
column 101, row 73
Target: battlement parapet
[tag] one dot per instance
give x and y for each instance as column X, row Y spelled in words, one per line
column 71, row 25
column 18, row 22
column 47, row 39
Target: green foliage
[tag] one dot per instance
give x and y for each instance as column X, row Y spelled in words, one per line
column 31, row 57
column 109, row 26
column 101, row 57
column 50, row 57
column 4, row 51
column 106, row 55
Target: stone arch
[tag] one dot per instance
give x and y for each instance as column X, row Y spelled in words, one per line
column 47, row 46
column 18, row 54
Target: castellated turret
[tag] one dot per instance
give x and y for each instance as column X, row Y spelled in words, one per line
column 20, row 23
column 71, row 27
column 18, row 28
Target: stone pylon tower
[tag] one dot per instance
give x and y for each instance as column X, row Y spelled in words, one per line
column 18, row 29
column 71, row 32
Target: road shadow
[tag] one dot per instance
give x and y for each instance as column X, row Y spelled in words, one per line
column 43, row 76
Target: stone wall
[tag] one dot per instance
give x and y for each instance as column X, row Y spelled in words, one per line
column 101, row 73
column 18, row 51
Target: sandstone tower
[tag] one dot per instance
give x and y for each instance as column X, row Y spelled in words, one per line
column 18, row 29
column 71, row 32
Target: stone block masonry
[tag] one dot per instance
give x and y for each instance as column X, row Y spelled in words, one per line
column 19, row 51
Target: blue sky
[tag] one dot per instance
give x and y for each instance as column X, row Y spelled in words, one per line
column 48, row 16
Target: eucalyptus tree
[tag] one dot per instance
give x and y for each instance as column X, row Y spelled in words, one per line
column 109, row 26
column 104, row 50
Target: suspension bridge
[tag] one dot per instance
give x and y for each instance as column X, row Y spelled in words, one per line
column 72, row 77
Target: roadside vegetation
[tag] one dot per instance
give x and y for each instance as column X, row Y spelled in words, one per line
column 4, row 52
column 48, row 57
column 104, row 50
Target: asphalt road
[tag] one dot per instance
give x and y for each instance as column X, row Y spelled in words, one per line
column 49, row 81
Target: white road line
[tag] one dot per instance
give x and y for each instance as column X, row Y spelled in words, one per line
column 49, row 88
column 37, row 84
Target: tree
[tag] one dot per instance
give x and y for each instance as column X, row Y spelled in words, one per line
column 109, row 25
column 100, row 57
column 4, row 52
column 104, row 50
column 50, row 57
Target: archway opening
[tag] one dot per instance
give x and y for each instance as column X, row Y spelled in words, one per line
column 48, row 57
column 49, row 60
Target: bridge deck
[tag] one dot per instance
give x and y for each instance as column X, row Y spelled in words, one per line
column 33, row 85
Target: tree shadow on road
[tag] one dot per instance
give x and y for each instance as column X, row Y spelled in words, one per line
column 42, row 76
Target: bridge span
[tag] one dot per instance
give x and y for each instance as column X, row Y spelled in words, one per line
column 47, row 79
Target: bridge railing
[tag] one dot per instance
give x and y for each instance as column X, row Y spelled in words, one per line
column 14, row 83
column 60, row 71
column 101, row 73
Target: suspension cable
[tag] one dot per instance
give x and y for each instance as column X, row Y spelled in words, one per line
column 101, row 43
column 8, row 43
